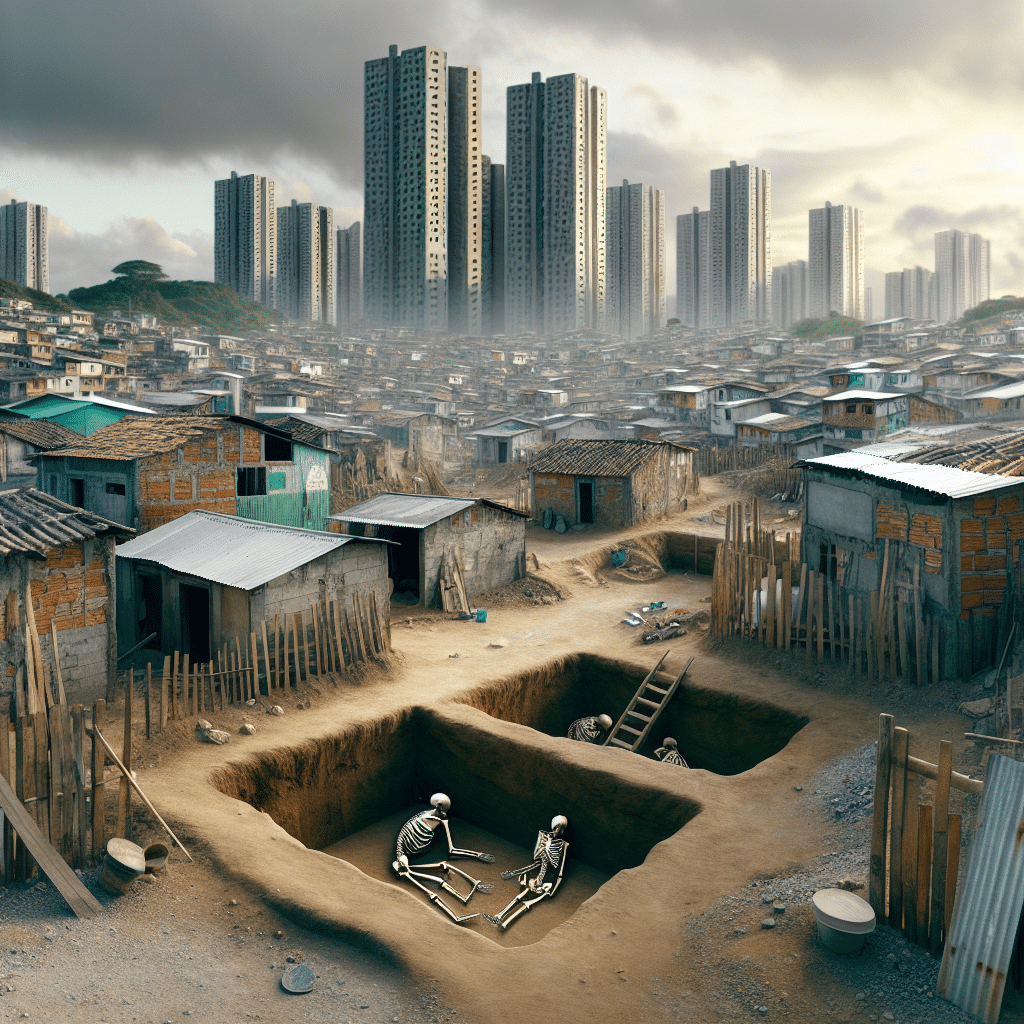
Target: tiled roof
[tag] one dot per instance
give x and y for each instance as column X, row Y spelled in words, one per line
column 598, row 457
column 137, row 437
column 34, row 523
column 43, row 434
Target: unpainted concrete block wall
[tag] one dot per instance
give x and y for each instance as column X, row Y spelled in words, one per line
column 490, row 545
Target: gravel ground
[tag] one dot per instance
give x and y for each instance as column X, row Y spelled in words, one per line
column 890, row 979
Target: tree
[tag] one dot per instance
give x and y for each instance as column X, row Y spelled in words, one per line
column 141, row 271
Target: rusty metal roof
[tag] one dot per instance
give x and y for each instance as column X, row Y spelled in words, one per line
column 230, row 550
column 976, row 959
column 599, row 457
column 33, row 523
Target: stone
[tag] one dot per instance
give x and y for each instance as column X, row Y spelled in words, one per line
column 768, row 922
column 779, row 908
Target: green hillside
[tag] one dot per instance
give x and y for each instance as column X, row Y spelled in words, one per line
column 992, row 309
column 40, row 300
column 214, row 307
column 836, row 327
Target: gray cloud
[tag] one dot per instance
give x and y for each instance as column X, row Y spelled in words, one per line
column 863, row 192
column 185, row 79
column 919, row 223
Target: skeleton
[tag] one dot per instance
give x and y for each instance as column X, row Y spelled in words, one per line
column 549, row 855
column 415, row 836
column 590, row 730
column 669, row 753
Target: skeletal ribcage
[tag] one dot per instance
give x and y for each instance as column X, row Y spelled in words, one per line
column 549, row 849
column 415, row 835
column 585, row 730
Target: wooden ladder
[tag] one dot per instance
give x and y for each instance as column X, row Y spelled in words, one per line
column 643, row 710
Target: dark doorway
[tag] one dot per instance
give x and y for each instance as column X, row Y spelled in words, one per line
column 586, row 491
column 403, row 562
column 503, row 451
column 76, row 492
column 150, row 611
column 195, row 622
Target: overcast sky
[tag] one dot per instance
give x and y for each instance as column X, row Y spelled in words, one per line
column 119, row 115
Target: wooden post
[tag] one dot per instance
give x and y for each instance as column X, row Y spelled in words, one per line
column 941, row 845
column 266, row 658
column 5, row 771
column 769, row 611
column 164, row 695
column 99, row 803
column 880, row 820
column 852, row 638
column 875, row 655
column 812, row 589
column 281, row 652
column 81, row 822
column 174, row 687
column 920, row 655
column 911, row 820
column 254, row 676
column 124, row 796
column 317, row 661
column 24, row 782
column 901, row 624
column 149, row 713
column 900, row 743
column 186, row 685
column 924, row 871
column 819, row 616
column 952, row 870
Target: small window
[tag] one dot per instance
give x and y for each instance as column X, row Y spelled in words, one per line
column 250, row 481
column 116, row 489
column 276, row 449
column 852, row 408
column 869, row 410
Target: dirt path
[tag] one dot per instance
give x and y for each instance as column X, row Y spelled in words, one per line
column 623, row 949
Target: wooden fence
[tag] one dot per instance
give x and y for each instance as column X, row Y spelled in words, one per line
column 54, row 760
column 761, row 590
column 331, row 638
column 710, row 461
column 915, row 848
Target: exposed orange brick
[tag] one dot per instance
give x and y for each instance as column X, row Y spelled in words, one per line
column 1015, row 522
column 250, row 445
column 973, row 600
column 182, row 489
column 984, row 506
column 1011, row 503
column 972, row 526
column 192, row 451
column 971, row 542
column 972, row 583
column 96, row 616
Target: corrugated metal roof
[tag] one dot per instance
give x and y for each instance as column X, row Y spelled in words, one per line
column 976, row 959
column 598, row 457
column 230, row 550
column 875, row 396
column 415, row 510
column 1003, row 391
column 953, row 483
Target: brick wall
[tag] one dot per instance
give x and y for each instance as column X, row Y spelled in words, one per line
column 986, row 540
column 894, row 521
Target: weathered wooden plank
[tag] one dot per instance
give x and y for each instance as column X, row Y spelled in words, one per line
column 99, row 790
column 899, row 789
column 880, row 819
column 940, row 848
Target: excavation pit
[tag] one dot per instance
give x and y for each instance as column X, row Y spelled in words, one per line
column 724, row 733
column 349, row 794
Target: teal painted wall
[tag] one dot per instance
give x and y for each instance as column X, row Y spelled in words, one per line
column 296, row 504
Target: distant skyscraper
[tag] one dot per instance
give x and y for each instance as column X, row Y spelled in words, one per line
column 910, row 292
column 305, row 263
column 741, row 251
column 349, row 286
column 869, row 304
column 245, row 237
column 635, row 260
column 693, row 269
column 405, row 261
column 492, row 282
column 836, row 262
column 555, row 187
column 961, row 273
column 465, row 202
column 25, row 245
column 789, row 294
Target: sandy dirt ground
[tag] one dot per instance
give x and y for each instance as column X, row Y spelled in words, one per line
column 209, row 940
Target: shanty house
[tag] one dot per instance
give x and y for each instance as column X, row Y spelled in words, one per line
column 953, row 538
column 83, row 415
column 20, row 439
column 489, row 540
column 148, row 471
column 854, row 418
column 64, row 557
column 507, row 440
column 206, row 579
column 612, row 483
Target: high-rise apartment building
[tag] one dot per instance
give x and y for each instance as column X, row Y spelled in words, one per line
column 492, row 282
column 305, row 263
column 465, row 202
column 789, row 294
column 25, row 245
column 836, row 262
column 693, row 269
column 961, row 273
column 740, row 226
column 910, row 292
column 245, row 237
column 869, row 305
column 635, row 260
column 349, row 286
column 405, row 249
column 555, row 186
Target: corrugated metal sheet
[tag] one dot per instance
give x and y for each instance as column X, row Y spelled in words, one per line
column 876, row 396
column 987, row 911
column 953, row 483
column 415, row 510
column 230, row 550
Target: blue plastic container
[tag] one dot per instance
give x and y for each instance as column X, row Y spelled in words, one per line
column 481, row 615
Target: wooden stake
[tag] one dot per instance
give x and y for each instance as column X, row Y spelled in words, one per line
column 56, row 663
column 952, row 870
column 266, row 658
column 124, row 795
column 899, row 788
column 254, row 676
column 940, row 849
column 924, row 871
column 82, row 822
column 149, row 714
column 99, row 805
column 880, row 819
column 911, row 820
column 174, row 687
column 819, row 615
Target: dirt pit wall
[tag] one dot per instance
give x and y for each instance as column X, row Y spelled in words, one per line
column 721, row 732
column 322, row 791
